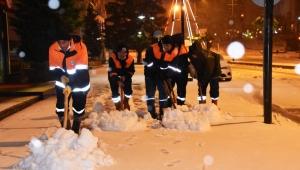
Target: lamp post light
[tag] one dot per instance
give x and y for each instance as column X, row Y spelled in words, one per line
column 151, row 18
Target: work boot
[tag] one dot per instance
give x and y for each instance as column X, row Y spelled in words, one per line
column 161, row 113
column 126, row 103
column 61, row 121
column 180, row 102
column 76, row 124
column 118, row 106
column 169, row 102
column 214, row 102
column 153, row 115
column 202, row 101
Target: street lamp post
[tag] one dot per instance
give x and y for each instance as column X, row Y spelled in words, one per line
column 182, row 20
column 299, row 45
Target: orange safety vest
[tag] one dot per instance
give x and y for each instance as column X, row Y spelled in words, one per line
column 183, row 50
column 77, row 61
column 118, row 65
column 168, row 57
column 129, row 60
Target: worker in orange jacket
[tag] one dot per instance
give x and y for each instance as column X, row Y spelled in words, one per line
column 68, row 61
column 159, row 66
column 120, row 72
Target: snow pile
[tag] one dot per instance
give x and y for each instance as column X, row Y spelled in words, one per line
column 105, row 117
column 65, row 150
column 210, row 111
column 196, row 118
column 117, row 121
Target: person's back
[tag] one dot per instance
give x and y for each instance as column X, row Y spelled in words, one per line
column 217, row 68
column 208, row 68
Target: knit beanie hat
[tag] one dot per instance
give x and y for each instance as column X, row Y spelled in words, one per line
column 122, row 47
column 167, row 40
column 62, row 34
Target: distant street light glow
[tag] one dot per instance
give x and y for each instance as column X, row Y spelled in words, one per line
column 176, row 8
column 141, row 16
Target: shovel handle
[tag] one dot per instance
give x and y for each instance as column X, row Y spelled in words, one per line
column 66, row 115
column 169, row 93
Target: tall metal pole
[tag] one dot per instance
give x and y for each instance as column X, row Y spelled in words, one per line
column 232, row 14
column 182, row 20
column 267, row 65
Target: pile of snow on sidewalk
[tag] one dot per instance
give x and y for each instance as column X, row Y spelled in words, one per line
column 65, row 150
column 195, row 118
column 184, row 118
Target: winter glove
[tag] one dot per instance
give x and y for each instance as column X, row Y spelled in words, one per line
column 114, row 78
column 67, row 90
column 64, row 80
column 123, row 78
column 121, row 84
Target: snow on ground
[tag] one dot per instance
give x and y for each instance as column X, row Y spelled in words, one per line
column 63, row 149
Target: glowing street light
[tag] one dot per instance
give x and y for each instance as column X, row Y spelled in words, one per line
column 141, row 16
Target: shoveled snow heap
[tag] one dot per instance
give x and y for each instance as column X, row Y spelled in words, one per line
column 65, row 150
column 195, row 118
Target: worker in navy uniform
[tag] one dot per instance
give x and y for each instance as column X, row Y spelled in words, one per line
column 120, row 72
column 159, row 67
column 180, row 78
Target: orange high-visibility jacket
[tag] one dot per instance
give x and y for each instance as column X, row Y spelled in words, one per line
column 154, row 64
column 121, row 67
column 72, row 63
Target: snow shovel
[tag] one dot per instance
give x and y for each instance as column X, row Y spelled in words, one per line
column 67, row 122
column 122, row 98
column 172, row 92
column 169, row 93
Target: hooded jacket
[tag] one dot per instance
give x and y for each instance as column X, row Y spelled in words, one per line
column 207, row 63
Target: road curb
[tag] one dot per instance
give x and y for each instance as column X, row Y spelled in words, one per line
column 261, row 64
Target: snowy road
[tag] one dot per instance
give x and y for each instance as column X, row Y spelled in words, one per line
column 230, row 144
column 285, row 85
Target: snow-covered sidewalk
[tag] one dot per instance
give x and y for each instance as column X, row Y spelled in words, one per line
column 234, row 137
